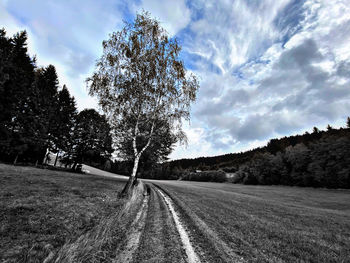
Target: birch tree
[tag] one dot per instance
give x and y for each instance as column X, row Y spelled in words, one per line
column 140, row 78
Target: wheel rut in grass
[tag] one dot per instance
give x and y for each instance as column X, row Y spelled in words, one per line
column 136, row 229
column 160, row 240
column 192, row 256
column 210, row 246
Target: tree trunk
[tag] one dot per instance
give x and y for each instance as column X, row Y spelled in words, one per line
column 46, row 155
column 74, row 165
column 56, row 158
column 132, row 178
column 137, row 154
column 15, row 161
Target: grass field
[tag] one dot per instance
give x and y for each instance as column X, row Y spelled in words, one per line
column 40, row 210
column 264, row 223
column 79, row 218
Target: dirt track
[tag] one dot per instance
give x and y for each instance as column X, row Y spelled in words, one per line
column 158, row 237
column 163, row 231
column 211, row 222
column 157, row 233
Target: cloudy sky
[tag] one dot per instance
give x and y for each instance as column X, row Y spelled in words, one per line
column 267, row 68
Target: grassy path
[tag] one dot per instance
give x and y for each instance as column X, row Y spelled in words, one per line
column 192, row 256
column 160, row 240
column 133, row 234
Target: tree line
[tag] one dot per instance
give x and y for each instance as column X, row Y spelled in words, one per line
column 318, row 159
column 37, row 116
column 324, row 162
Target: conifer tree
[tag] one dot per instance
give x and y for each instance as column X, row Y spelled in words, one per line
column 66, row 115
column 17, row 76
column 46, row 108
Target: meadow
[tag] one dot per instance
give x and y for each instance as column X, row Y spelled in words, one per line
column 40, row 210
column 244, row 223
column 80, row 218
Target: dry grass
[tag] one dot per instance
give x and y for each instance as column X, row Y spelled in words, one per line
column 41, row 210
column 108, row 238
column 265, row 223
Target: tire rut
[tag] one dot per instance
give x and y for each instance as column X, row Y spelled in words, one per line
column 164, row 230
column 160, row 241
column 134, row 234
column 192, row 256
column 210, row 247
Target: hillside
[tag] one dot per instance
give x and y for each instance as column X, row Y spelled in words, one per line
column 273, row 146
column 319, row 159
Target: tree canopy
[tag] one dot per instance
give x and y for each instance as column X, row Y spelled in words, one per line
column 92, row 138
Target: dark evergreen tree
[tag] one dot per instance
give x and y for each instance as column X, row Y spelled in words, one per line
column 17, row 76
column 34, row 116
column 66, row 115
column 46, row 106
column 315, row 130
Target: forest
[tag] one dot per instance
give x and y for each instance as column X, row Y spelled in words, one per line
column 37, row 116
column 317, row 159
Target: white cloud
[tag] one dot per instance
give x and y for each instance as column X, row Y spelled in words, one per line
column 234, row 32
column 173, row 15
column 289, row 64
column 267, row 68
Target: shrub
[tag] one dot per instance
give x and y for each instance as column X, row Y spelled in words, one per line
column 205, row 176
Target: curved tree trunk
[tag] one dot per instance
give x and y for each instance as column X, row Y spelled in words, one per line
column 45, row 156
column 132, row 178
column 137, row 155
